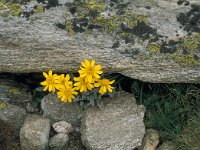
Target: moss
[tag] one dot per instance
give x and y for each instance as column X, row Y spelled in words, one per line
column 38, row 9
column 3, row 105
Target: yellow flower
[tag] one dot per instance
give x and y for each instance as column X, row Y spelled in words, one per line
column 50, row 81
column 82, row 85
column 67, row 93
column 104, row 85
column 63, row 81
column 89, row 70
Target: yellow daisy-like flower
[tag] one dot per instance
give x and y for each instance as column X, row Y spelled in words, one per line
column 50, row 81
column 63, row 81
column 83, row 85
column 67, row 94
column 104, row 85
column 89, row 70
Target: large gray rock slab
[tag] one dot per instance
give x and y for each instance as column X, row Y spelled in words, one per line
column 56, row 110
column 119, row 126
column 14, row 92
column 34, row 135
column 13, row 116
column 37, row 44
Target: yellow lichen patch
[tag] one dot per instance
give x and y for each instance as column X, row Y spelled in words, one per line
column 94, row 5
column 13, row 6
column 14, row 91
column 185, row 60
column 69, row 28
column 108, row 24
column 190, row 45
column 38, row 9
column 17, row 12
column 154, row 48
column 2, row 6
column 2, row 105
column 94, row 14
column 13, row 9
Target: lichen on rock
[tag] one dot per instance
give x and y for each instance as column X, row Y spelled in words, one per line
column 184, row 51
column 20, row 9
column 116, row 18
column 188, row 51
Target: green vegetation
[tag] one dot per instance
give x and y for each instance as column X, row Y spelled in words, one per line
column 190, row 135
column 173, row 110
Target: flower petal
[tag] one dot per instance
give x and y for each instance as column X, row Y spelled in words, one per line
column 45, row 75
column 98, row 67
column 111, row 82
column 92, row 62
column 83, row 64
column 87, row 62
column 50, row 72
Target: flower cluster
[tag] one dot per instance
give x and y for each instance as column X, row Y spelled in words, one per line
column 89, row 78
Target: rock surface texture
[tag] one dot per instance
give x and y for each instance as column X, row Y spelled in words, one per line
column 56, row 110
column 13, row 115
column 34, row 135
column 119, row 126
column 59, row 141
column 155, row 41
column 62, row 127
column 14, row 92
column 151, row 140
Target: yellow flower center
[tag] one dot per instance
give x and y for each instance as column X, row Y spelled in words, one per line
column 68, row 91
column 63, row 81
column 105, row 82
column 50, row 80
column 90, row 70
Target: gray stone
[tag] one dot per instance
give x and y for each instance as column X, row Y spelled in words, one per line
column 56, row 110
column 62, row 127
column 167, row 145
column 34, row 135
column 119, row 126
column 59, row 141
column 62, row 2
column 151, row 140
column 30, row 108
column 45, row 46
column 15, row 93
column 12, row 115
